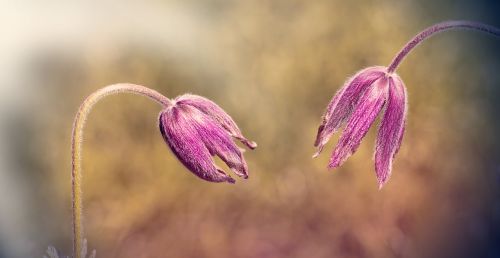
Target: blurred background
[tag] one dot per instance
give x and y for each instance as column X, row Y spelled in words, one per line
column 273, row 66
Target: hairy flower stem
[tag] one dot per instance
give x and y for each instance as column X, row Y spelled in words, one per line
column 436, row 28
column 76, row 143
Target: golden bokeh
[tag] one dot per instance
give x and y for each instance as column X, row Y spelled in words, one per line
column 273, row 66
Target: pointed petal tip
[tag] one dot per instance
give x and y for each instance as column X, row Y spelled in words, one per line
column 238, row 167
column 223, row 177
column 319, row 135
column 316, row 154
column 381, row 184
column 250, row 144
column 337, row 160
column 317, row 142
column 382, row 180
column 243, row 174
column 333, row 165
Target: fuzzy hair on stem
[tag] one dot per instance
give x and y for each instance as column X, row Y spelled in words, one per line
column 437, row 28
column 76, row 148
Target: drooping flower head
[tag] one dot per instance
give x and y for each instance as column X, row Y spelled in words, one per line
column 369, row 92
column 357, row 104
column 196, row 129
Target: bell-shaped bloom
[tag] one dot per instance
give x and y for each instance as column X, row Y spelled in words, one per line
column 196, row 129
column 357, row 104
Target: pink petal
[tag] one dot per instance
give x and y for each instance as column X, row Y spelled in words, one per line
column 219, row 142
column 340, row 107
column 179, row 127
column 391, row 130
column 213, row 110
column 367, row 109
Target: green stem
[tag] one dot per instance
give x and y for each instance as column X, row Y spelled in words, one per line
column 76, row 143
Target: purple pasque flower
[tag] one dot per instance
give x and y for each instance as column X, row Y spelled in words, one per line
column 358, row 104
column 196, row 129
column 365, row 95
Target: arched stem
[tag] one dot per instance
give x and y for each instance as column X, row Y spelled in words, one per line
column 436, row 28
column 76, row 144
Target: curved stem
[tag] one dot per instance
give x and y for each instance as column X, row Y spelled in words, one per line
column 436, row 28
column 76, row 143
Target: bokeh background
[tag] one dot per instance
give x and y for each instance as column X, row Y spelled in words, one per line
column 272, row 65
